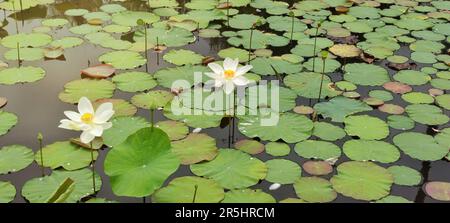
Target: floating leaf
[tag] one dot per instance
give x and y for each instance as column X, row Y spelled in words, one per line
column 17, row 75
column 99, row 71
column 351, row 175
column 7, row 192
column 250, row 146
column 92, row 89
column 308, row 85
column 66, row 155
column 26, row 40
column 340, row 107
column 404, row 175
column 15, row 158
column 121, row 107
column 366, row 127
column 420, row 146
column 312, row 149
column 232, row 169
column 317, row 167
column 7, row 121
column 190, row 189
column 365, row 150
column 195, row 148
column 315, row 189
column 400, row 122
column 152, row 99
column 438, row 190
column 123, row 59
column 426, row 114
column 183, row 57
column 149, row 161
column 122, row 127
column 327, row 131
column 282, row 171
column 277, row 149
column 134, row 81
column 248, row 196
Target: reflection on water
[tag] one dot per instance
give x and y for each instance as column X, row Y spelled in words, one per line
column 39, row 109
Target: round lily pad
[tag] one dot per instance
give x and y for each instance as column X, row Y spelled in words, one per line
column 420, row 146
column 397, row 87
column 340, row 107
column 393, row 199
column 175, row 130
column 7, row 121
column 189, row 189
column 412, row 77
column 92, row 89
column 400, row 122
column 182, row 57
column 365, row 74
column 232, row 169
column 152, row 99
column 196, row 147
column 7, row 192
column 443, row 101
column 391, row 109
column 122, row 127
column 123, row 59
column 40, row 190
column 120, row 106
column 312, row 149
column 315, row 189
column 99, row 71
column 404, row 175
column 371, row 150
column 438, row 190
column 418, row 98
column 26, row 40
column 327, row 131
column 15, row 158
column 381, row 94
column 282, row 171
column 17, row 75
column 351, row 175
column 134, row 81
column 426, row 114
column 57, row 22
column 66, row 155
column 248, row 196
column 317, row 168
column 277, row 149
column 249, row 146
column 147, row 150
column 366, row 127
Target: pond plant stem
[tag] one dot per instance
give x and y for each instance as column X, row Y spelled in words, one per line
column 250, row 45
column 228, row 13
column 93, row 167
column 15, row 18
column 195, row 193
column 324, row 57
column 145, row 45
column 291, row 13
column 40, row 137
column 18, row 54
column 315, row 45
column 234, row 116
column 157, row 53
column 152, row 117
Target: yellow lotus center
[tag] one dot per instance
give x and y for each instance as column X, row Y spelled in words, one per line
column 87, row 118
column 229, row 74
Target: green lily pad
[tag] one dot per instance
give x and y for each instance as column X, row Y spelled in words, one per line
column 134, row 81
column 365, row 74
column 315, row 189
column 75, row 12
column 112, row 8
column 381, row 94
column 340, row 107
column 85, row 29
column 400, row 122
column 420, row 146
column 273, row 66
column 121, row 107
column 7, row 192
column 57, row 22
column 233, row 52
column 412, row 77
column 405, row 176
column 102, row 16
column 183, row 57
column 15, row 158
column 249, row 146
column 418, row 98
column 327, row 131
column 443, row 101
column 190, row 189
column 282, row 171
column 393, row 199
column 123, row 59
column 307, row 84
column 248, row 196
column 371, row 150
column 26, row 40
column 244, row 21
column 172, row 37
column 17, row 75
column 232, row 169
column 426, row 114
column 90, row 88
column 322, row 150
column 290, row 127
column 122, row 127
column 351, row 175
column 366, row 127
column 196, row 147
column 149, row 162
column 66, row 155
column 7, row 121
column 175, row 130
column 330, row 65
column 171, row 77
column 40, row 190
column 26, row 54
column 113, row 28
column 152, row 99
column 259, row 40
column 277, row 149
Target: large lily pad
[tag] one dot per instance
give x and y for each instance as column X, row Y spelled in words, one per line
column 352, row 175
column 195, row 148
column 426, row 114
column 7, row 192
column 315, row 189
column 365, row 150
column 420, row 146
column 122, row 127
column 282, row 171
column 438, row 190
column 15, row 158
column 129, row 18
column 134, row 81
column 17, row 75
column 145, row 159
column 7, row 121
column 404, row 175
column 190, row 189
column 365, row 74
column 340, row 107
column 90, row 88
column 308, row 85
column 366, row 127
column 66, row 155
column 232, row 169
column 322, row 150
column 248, row 196
column 123, row 59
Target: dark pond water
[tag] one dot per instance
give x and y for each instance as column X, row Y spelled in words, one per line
column 39, row 109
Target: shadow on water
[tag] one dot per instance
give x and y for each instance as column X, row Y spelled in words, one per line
column 39, row 109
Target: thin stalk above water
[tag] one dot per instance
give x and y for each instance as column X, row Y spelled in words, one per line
column 93, row 167
column 40, row 138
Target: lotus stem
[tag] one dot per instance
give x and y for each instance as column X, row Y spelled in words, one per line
column 15, row 18
column 195, row 193
column 145, row 46
column 152, row 117
column 18, row 54
column 93, row 167
column 234, row 116
column 321, row 79
column 250, row 45
column 40, row 138
column 157, row 54
column 228, row 13
column 292, row 26
column 315, row 44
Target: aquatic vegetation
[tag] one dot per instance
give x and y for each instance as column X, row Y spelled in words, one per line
column 231, row 101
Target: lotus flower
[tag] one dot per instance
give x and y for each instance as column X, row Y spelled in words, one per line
column 92, row 123
column 230, row 75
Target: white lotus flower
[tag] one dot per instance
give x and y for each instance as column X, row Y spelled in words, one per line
column 229, row 75
column 90, row 122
